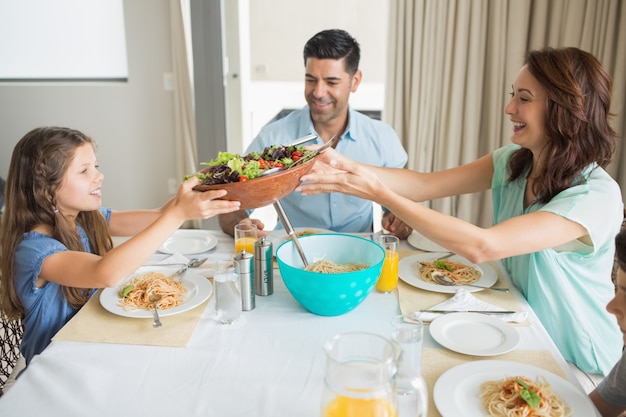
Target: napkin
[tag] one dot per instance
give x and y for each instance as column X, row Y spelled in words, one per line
column 207, row 269
column 175, row 259
column 463, row 300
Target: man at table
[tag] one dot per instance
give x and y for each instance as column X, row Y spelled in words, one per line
column 609, row 396
column 331, row 60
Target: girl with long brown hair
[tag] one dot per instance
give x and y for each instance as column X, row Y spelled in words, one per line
column 56, row 238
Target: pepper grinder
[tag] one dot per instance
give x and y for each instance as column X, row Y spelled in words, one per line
column 263, row 269
column 244, row 267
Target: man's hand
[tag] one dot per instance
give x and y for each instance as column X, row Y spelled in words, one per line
column 259, row 226
column 395, row 226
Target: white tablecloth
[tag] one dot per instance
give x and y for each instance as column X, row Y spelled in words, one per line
column 270, row 363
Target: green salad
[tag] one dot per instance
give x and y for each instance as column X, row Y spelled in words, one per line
column 229, row 167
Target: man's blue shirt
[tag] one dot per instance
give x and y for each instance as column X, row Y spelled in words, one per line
column 365, row 140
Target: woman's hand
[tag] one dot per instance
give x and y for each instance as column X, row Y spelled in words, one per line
column 334, row 172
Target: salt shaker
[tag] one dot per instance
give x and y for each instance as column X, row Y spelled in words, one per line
column 263, row 270
column 244, row 267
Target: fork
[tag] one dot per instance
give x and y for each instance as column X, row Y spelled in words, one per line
column 449, row 254
column 155, row 298
column 193, row 263
column 444, row 280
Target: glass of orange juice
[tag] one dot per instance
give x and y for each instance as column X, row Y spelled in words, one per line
column 388, row 280
column 245, row 237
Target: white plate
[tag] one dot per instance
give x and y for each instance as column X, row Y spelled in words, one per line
column 457, row 391
column 408, row 271
column 421, row 242
column 474, row 334
column 278, row 236
column 189, row 242
column 198, row 287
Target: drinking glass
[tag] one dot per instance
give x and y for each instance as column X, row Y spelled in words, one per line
column 245, row 237
column 409, row 335
column 227, row 295
column 388, row 279
column 412, row 393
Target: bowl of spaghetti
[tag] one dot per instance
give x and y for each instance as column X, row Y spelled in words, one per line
column 342, row 271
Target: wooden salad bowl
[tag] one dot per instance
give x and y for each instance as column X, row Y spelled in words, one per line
column 261, row 191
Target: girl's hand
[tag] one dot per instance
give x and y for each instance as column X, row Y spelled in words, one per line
column 194, row 205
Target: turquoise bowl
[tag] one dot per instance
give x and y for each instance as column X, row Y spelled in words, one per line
column 330, row 294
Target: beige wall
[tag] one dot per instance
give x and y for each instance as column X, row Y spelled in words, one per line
column 280, row 28
column 132, row 122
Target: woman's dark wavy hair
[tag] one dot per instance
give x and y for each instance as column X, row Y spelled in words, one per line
column 334, row 44
column 577, row 119
column 38, row 164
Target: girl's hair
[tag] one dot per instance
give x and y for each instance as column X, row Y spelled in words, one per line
column 576, row 121
column 38, row 164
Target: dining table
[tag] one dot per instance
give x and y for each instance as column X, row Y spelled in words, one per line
column 270, row 362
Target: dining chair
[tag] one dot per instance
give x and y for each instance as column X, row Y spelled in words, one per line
column 11, row 332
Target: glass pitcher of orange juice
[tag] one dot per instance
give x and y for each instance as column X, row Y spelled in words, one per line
column 360, row 376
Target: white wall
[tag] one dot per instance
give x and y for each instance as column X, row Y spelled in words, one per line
column 131, row 122
column 278, row 31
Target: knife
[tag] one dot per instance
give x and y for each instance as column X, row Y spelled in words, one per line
column 467, row 311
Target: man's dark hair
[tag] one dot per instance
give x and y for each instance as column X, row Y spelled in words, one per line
column 334, row 44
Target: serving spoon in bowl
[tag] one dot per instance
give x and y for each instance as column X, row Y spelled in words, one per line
column 447, row 281
column 290, row 231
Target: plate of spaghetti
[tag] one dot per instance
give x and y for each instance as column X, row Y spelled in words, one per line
column 416, row 270
column 130, row 297
column 485, row 388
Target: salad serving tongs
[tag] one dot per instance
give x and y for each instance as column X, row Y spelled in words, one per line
column 303, row 139
column 319, row 150
column 331, row 142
